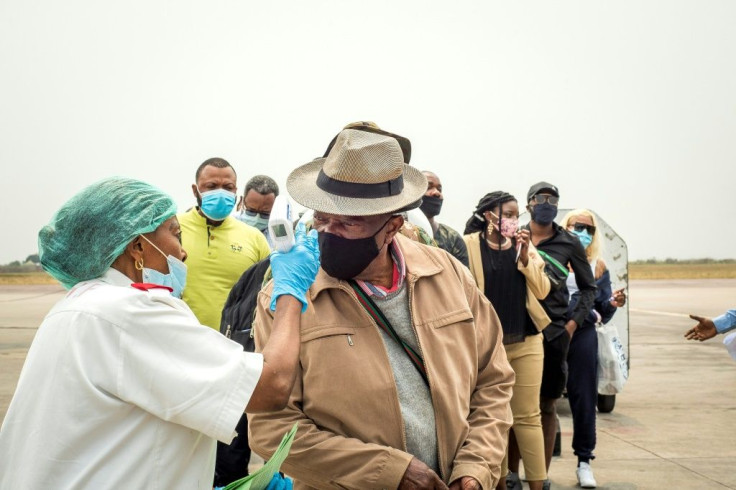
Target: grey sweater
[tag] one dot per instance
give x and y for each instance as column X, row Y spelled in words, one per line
column 414, row 396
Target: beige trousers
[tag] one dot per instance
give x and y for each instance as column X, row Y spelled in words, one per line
column 527, row 360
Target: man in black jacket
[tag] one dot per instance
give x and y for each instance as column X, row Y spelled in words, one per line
column 236, row 321
column 561, row 251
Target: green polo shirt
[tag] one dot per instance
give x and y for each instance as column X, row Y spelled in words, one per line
column 216, row 257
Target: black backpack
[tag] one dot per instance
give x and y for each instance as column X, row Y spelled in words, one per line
column 236, row 321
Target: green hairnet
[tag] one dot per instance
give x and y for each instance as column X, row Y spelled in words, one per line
column 93, row 228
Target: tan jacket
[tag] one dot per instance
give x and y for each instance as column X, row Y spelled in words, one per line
column 351, row 432
column 537, row 282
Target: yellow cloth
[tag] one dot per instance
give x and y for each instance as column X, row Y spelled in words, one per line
column 217, row 256
column 527, row 360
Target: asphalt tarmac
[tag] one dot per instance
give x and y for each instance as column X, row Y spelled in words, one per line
column 673, row 427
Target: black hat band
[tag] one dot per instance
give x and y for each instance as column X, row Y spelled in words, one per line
column 353, row 189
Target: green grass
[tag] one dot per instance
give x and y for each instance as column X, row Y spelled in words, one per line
column 682, row 270
column 26, row 279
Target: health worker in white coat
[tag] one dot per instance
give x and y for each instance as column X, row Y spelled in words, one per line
column 122, row 387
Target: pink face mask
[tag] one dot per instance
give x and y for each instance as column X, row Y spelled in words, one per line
column 508, row 226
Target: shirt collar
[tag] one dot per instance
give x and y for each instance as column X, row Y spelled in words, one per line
column 114, row 277
column 399, row 274
column 202, row 221
column 556, row 230
column 417, row 262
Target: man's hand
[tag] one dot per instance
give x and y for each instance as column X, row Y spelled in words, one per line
column 571, row 326
column 465, row 483
column 704, row 330
column 420, row 476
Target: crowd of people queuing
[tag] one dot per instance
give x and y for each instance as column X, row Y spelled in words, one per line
column 409, row 355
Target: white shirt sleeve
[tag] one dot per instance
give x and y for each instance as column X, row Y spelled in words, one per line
column 181, row 371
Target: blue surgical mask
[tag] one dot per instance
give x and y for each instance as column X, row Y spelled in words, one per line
column 584, row 237
column 176, row 279
column 254, row 220
column 217, row 204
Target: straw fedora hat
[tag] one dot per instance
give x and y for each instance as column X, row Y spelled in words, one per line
column 372, row 127
column 364, row 174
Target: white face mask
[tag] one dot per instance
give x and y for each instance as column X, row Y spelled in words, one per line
column 176, row 279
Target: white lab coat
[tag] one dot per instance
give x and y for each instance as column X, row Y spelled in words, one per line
column 123, row 388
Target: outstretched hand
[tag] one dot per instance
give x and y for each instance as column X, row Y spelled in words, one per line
column 704, row 330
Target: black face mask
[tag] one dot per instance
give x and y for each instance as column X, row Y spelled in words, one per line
column 345, row 258
column 544, row 213
column 431, row 206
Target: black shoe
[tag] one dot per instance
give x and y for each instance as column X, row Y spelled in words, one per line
column 513, row 482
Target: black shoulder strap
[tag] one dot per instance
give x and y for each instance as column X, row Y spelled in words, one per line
column 385, row 325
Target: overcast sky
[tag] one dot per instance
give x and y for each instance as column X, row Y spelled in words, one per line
column 629, row 107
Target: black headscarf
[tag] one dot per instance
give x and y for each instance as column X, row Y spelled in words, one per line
column 491, row 200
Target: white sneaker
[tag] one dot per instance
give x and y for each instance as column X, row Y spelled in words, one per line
column 585, row 476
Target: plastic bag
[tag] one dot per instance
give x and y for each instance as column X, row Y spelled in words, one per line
column 268, row 476
column 613, row 368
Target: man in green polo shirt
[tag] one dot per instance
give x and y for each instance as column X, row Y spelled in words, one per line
column 219, row 247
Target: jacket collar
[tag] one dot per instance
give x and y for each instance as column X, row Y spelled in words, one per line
column 557, row 231
column 419, row 263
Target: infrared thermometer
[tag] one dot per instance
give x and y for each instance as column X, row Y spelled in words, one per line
column 280, row 227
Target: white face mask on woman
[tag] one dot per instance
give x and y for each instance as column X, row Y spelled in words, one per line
column 176, row 279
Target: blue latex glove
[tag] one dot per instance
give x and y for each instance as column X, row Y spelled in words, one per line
column 294, row 271
column 279, row 482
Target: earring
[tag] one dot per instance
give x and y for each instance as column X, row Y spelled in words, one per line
column 139, row 264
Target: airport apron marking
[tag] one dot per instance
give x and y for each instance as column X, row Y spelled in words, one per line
column 663, row 313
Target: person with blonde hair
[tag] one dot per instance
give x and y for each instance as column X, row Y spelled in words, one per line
column 510, row 272
column 582, row 356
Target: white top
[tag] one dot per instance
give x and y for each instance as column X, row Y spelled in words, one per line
column 123, row 388
column 417, row 217
column 572, row 285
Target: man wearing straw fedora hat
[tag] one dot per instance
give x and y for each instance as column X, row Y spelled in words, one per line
column 403, row 379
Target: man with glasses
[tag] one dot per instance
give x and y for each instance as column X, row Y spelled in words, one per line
column 561, row 251
column 403, row 379
column 254, row 207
